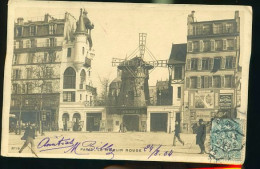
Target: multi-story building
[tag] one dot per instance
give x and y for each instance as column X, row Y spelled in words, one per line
column 52, row 71
column 212, row 70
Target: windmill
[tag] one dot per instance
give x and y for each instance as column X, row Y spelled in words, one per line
column 134, row 91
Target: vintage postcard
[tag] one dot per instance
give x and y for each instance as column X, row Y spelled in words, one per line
column 120, row 81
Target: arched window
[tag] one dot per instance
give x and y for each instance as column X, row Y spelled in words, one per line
column 65, row 117
column 69, row 81
column 82, row 76
column 76, row 117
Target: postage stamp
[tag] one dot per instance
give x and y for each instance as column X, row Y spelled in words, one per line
column 226, row 139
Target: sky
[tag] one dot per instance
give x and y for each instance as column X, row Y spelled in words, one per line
column 117, row 29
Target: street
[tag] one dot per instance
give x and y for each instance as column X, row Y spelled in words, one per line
column 129, row 143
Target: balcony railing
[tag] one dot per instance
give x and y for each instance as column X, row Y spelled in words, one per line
column 38, row 45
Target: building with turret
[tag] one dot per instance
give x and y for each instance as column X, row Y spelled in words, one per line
column 51, row 72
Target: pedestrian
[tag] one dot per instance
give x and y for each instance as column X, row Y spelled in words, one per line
column 29, row 136
column 177, row 133
column 121, row 128
column 201, row 136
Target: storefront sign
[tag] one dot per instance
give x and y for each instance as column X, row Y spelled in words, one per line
column 225, row 101
column 205, row 115
column 204, row 100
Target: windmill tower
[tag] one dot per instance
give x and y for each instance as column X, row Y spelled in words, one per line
column 134, row 91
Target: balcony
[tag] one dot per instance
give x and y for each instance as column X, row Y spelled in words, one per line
column 87, row 62
column 91, row 89
column 32, row 46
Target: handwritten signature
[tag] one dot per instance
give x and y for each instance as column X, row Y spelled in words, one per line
column 72, row 146
column 155, row 151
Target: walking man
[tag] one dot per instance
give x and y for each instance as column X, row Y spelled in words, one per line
column 201, row 136
column 29, row 136
column 177, row 133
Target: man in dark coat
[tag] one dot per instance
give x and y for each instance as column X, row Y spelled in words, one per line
column 177, row 133
column 29, row 136
column 201, row 136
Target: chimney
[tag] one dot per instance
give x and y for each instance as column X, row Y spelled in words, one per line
column 191, row 17
column 236, row 14
column 20, row 21
column 46, row 17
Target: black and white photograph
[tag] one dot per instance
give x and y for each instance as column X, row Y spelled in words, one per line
column 148, row 82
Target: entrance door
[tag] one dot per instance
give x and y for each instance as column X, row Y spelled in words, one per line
column 159, row 121
column 93, row 121
column 131, row 122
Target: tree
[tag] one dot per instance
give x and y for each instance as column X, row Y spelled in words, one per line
column 42, row 77
column 103, row 98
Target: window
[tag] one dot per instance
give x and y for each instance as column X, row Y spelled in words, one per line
column 21, row 44
column 83, row 50
column 194, row 64
column 28, row 43
column 205, row 64
column 178, row 72
column 217, row 28
column 52, row 42
column 52, row 29
column 206, row 29
column 69, row 96
column 206, row 46
column 15, row 59
column 48, row 87
column 228, row 81
column 179, row 92
column 52, row 57
column 19, row 31
column 69, row 78
column 32, row 43
column 230, row 44
column 29, row 73
column 80, row 96
column 219, row 45
column 45, row 57
column 196, row 46
column 216, row 81
column 29, row 88
column 15, row 88
column 69, row 52
column 217, row 64
column 193, row 81
column 49, row 72
column 16, row 74
column 229, row 28
column 30, row 58
column 189, row 46
column 229, row 61
column 82, row 76
column 32, row 30
column 202, row 83
column 89, row 73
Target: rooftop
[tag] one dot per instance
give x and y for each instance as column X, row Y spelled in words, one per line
column 178, row 54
